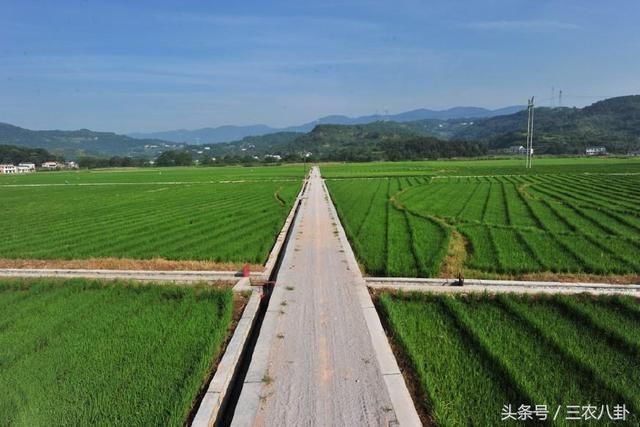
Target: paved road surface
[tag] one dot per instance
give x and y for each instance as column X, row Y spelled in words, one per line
column 314, row 362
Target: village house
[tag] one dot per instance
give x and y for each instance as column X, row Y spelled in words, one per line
column 49, row 165
column 26, row 167
column 517, row 149
column 596, row 151
column 8, row 169
column 21, row 168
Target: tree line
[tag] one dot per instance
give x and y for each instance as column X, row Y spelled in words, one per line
column 12, row 154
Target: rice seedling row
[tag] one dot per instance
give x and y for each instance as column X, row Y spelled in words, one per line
column 473, row 355
column 512, row 225
column 199, row 222
column 106, row 352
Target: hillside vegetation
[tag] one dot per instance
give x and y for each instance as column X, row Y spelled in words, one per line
column 13, row 155
column 613, row 123
column 81, row 142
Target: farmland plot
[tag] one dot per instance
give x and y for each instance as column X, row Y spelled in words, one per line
column 232, row 222
column 511, row 225
column 388, row 239
column 159, row 175
column 478, row 167
column 82, row 352
column 472, row 355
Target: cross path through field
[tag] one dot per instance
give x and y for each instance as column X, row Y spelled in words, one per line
column 322, row 357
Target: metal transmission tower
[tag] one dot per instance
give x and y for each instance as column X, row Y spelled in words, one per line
column 560, row 98
column 530, row 108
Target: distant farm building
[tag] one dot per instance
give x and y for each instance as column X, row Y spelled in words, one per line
column 517, row 149
column 27, row 167
column 596, row 151
column 21, row 168
column 50, row 165
column 276, row 157
column 8, row 169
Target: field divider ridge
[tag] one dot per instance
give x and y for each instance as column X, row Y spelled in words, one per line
column 499, row 286
column 401, row 400
column 184, row 276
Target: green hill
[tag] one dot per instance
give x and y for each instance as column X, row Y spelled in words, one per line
column 613, row 123
column 73, row 144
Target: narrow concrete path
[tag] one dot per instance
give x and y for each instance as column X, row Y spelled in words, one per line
column 315, row 361
column 500, row 286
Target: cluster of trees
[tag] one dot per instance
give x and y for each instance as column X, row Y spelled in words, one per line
column 175, row 158
column 92, row 162
column 13, row 155
column 432, row 148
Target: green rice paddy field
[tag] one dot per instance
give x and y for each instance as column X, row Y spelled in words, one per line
column 209, row 214
column 82, row 352
column 471, row 355
column 569, row 216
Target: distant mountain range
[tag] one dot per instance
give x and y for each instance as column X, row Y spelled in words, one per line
column 234, row 133
column 613, row 123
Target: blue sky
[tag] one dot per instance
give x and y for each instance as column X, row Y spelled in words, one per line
column 156, row 65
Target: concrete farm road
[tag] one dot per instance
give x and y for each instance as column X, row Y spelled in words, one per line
column 314, row 361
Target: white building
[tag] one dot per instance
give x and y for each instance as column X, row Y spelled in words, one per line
column 27, row 167
column 49, row 165
column 8, row 169
column 595, row 151
column 30, row 166
column 23, row 169
column 517, row 149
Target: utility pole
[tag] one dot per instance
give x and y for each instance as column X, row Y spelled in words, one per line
column 530, row 108
column 304, row 164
